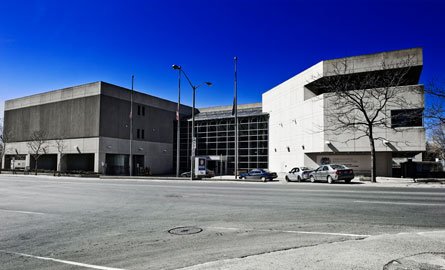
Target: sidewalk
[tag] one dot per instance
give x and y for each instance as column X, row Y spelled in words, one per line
column 381, row 181
column 421, row 250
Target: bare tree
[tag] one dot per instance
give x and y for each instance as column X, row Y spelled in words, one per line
column 438, row 141
column 435, row 112
column 61, row 147
column 4, row 136
column 38, row 146
column 434, row 116
column 360, row 103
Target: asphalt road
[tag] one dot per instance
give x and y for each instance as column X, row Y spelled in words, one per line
column 69, row 223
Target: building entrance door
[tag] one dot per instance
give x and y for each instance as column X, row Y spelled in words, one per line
column 138, row 165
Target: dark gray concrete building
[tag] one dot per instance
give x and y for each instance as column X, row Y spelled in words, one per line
column 93, row 122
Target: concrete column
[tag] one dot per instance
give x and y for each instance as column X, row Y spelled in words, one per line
column 3, row 162
column 28, row 161
column 59, row 160
column 62, row 162
column 99, row 161
column 97, row 165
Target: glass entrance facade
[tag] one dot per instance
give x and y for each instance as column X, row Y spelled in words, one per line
column 215, row 133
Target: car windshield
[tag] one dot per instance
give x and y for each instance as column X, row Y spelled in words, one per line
column 305, row 169
column 336, row 167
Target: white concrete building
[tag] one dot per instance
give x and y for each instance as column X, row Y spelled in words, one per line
column 300, row 116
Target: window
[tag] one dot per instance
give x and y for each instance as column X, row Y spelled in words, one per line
column 139, row 110
column 406, row 118
column 138, row 133
column 143, row 110
column 143, row 134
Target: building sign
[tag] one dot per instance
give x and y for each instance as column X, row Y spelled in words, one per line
column 200, row 166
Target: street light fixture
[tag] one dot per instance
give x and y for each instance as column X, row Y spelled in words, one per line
column 194, row 87
column 178, row 68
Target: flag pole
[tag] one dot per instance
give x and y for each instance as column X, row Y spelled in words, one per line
column 131, row 126
column 235, row 107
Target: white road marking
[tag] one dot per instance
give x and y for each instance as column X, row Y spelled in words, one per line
column 320, row 233
column 62, row 261
column 296, row 232
column 423, row 233
column 402, row 203
column 224, row 228
column 22, row 212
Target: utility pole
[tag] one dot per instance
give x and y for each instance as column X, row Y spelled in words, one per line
column 235, row 108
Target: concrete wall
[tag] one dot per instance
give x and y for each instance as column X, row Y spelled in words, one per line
column 295, row 121
column 400, row 139
column 72, row 118
column 158, row 124
column 372, row 62
column 158, row 156
column 360, row 162
column 70, row 112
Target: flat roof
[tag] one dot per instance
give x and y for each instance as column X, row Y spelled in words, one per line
column 222, row 112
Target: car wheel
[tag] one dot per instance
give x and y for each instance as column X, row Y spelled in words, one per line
column 347, row 181
column 243, row 178
column 286, row 178
column 330, row 181
column 263, row 179
column 312, row 179
column 298, row 178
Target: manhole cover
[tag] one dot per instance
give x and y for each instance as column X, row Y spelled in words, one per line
column 185, row 230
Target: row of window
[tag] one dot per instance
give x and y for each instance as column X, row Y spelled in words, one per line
column 140, row 133
column 406, row 118
column 141, row 110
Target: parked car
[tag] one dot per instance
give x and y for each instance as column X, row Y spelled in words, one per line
column 299, row 174
column 331, row 173
column 262, row 174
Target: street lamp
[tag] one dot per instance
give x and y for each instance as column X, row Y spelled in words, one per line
column 194, row 87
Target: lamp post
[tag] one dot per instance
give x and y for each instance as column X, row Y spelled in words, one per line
column 194, row 87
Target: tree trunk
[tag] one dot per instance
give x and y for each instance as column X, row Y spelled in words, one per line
column 35, row 167
column 373, row 159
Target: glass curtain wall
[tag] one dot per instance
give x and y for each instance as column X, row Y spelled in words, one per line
column 217, row 137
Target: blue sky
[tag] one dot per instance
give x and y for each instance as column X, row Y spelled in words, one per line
column 46, row 45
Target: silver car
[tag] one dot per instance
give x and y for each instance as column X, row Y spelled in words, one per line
column 299, row 174
column 331, row 173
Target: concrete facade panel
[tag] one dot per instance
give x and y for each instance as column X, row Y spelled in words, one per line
column 157, row 124
column 74, row 118
column 158, row 156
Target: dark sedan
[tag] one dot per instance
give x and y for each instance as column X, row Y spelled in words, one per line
column 262, row 174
